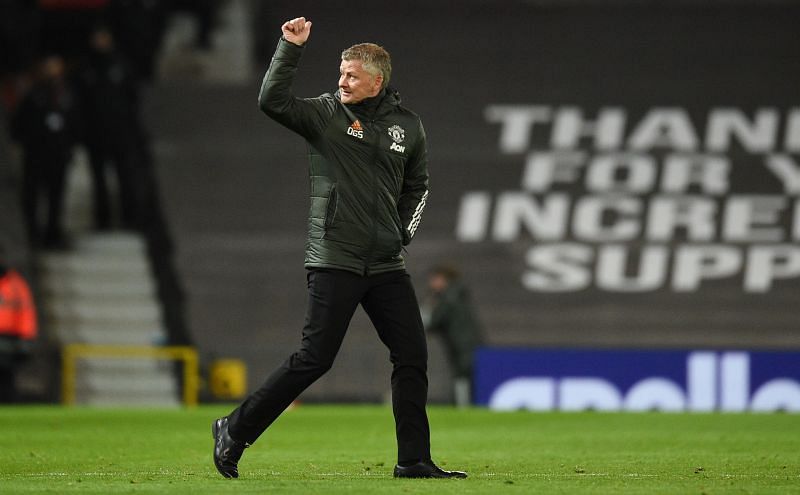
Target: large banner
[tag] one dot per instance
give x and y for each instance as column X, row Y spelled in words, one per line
column 627, row 178
column 579, row 380
column 626, row 203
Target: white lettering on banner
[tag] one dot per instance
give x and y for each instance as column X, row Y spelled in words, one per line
column 694, row 216
column 649, row 275
column 474, row 218
column 655, row 394
column 580, row 394
column 780, row 394
column 756, row 137
column 544, row 221
column 708, row 172
column 638, row 173
column 694, row 264
column 681, row 171
column 669, row 127
column 517, row 122
column 705, row 371
column 570, row 126
column 792, row 142
column 533, row 394
column 615, row 217
column 734, row 391
column 744, row 213
column 701, row 381
column 788, row 170
column 665, row 128
column 566, row 267
column 542, row 170
column 558, row 268
column 770, row 263
column 633, row 203
column 588, row 218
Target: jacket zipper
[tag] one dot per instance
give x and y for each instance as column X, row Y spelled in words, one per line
column 373, row 176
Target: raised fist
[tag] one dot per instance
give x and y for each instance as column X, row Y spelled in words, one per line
column 297, row 30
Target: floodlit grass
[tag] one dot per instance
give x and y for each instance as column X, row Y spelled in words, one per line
column 350, row 449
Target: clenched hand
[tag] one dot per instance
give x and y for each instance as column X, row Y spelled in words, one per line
column 297, row 30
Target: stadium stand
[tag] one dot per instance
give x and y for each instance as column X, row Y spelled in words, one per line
column 233, row 184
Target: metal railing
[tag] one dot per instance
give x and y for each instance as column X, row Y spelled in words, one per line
column 71, row 353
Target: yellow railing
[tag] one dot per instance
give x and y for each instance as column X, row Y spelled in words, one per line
column 72, row 352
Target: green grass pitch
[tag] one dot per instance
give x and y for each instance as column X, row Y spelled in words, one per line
column 350, row 449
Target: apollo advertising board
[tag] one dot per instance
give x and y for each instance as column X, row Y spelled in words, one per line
column 577, row 380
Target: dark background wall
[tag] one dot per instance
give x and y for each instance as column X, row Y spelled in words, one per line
column 235, row 183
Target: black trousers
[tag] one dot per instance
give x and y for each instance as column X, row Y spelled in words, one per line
column 390, row 302
column 122, row 156
column 44, row 175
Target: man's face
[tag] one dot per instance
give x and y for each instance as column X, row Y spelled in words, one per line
column 355, row 83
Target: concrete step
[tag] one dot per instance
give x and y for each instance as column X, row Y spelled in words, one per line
column 143, row 312
column 98, row 288
column 102, row 291
column 139, row 366
column 112, row 242
column 163, row 384
column 126, row 399
column 138, row 381
column 103, row 334
column 120, row 264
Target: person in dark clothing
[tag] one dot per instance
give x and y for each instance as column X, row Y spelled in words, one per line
column 20, row 32
column 138, row 27
column 452, row 316
column 205, row 13
column 110, row 95
column 369, row 185
column 48, row 124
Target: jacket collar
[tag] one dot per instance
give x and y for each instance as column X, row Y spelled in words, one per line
column 380, row 104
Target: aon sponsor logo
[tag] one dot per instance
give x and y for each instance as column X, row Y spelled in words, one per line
column 396, row 147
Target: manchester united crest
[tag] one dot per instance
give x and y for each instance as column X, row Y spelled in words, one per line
column 397, row 133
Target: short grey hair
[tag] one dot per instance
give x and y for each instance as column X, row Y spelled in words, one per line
column 374, row 58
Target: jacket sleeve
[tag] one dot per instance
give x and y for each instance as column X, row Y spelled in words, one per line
column 305, row 116
column 414, row 194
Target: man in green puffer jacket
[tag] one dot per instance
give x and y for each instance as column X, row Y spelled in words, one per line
column 369, row 185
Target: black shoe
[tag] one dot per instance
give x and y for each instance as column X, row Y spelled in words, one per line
column 227, row 451
column 426, row 469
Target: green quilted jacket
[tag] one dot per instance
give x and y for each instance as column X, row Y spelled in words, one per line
column 367, row 167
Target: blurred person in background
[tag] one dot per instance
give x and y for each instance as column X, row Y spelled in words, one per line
column 139, row 27
column 17, row 326
column 109, row 93
column 48, row 124
column 20, row 25
column 449, row 313
column 205, row 13
column 369, row 186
